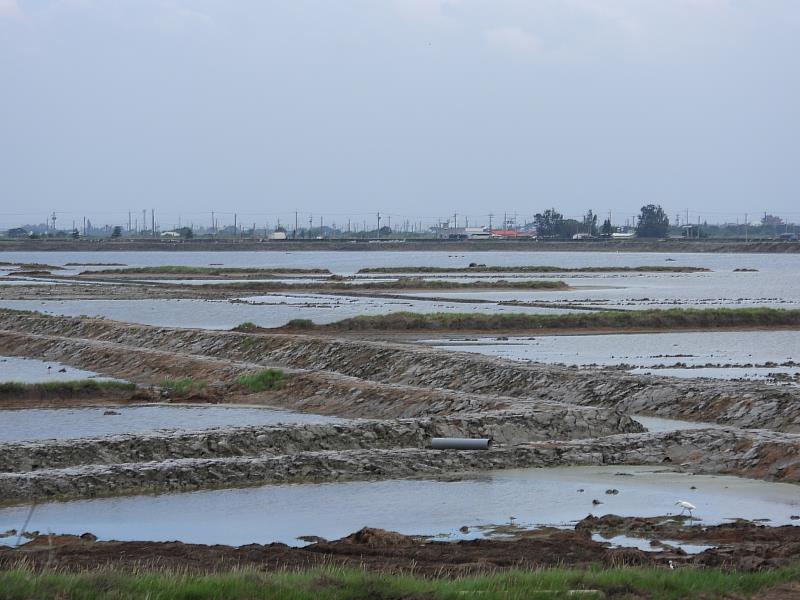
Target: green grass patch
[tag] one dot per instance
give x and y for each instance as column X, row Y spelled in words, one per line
column 301, row 324
column 246, row 326
column 676, row 318
column 182, row 387
column 480, row 268
column 340, row 584
column 268, row 379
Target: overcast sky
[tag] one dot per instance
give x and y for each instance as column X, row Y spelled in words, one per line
column 417, row 108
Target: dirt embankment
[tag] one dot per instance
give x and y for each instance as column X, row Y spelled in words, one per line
column 472, row 395
column 320, row 392
column 756, row 454
column 747, row 547
column 126, row 288
column 741, row 404
column 502, row 427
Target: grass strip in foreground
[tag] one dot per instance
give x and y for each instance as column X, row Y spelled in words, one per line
column 674, row 318
column 335, row 583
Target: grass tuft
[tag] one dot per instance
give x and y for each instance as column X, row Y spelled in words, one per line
column 182, row 387
column 301, row 324
column 268, row 379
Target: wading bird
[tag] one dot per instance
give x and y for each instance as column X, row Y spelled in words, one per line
column 686, row 506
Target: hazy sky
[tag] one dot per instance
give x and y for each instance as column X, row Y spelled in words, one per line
column 417, row 108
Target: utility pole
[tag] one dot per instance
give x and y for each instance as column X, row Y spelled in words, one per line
column 491, row 216
column 53, row 219
column 129, row 221
column 310, row 223
column 295, row 225
column 745, row 227
column 153, row 220
column 144, row 219
column 379, row 225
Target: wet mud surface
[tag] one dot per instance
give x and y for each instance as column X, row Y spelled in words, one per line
column 738, row 546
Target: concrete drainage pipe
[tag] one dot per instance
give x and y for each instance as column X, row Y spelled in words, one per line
column 460, row 443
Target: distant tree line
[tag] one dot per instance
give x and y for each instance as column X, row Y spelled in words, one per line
column 652, row 222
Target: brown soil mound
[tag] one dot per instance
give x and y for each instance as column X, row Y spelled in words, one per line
column 377, row 538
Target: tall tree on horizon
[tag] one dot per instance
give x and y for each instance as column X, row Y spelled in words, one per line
column 652, row 222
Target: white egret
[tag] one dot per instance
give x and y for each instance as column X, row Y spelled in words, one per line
column 686, row 506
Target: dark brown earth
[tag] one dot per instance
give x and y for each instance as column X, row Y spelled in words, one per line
column 740, row 546
column 33, row 396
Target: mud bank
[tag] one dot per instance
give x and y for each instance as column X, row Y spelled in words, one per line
column 756, row 454
column 319, row 392
column 742, row 404
column 70, row 393
column 503, row 427
column 751, row 548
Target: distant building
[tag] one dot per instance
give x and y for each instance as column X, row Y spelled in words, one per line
column 170, row 234
column 510, row 234
column 277, row 235
column 462, row 233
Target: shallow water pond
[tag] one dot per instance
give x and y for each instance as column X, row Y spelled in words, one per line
column 347, row 262
column 526, row 497
column 659, row 425
column 732, row 353
column 68, row 423
column 31, row 370
column 273, row 310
